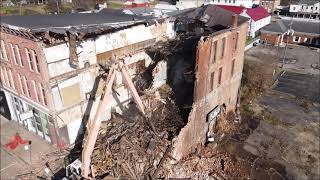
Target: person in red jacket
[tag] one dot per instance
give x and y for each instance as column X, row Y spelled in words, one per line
column 16, row 140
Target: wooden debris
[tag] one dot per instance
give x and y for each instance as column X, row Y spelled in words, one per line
column 133, row 146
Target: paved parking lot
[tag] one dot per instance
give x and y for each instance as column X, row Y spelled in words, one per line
column 298, row 58
column 290, row 135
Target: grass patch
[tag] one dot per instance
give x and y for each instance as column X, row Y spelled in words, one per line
column 113, row 5
column 268, row 117
column 25, row 10
column 249, row 40
column 257, row 77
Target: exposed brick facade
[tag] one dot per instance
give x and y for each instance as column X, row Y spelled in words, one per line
column 24, row 71
column 31, row 85
column 271, row 38
column 298, row 38
column 270, row 5
column 224, row 90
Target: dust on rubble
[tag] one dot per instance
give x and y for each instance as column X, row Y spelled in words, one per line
column 134, row 146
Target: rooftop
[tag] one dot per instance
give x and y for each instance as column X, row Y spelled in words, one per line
column 212, row 15
column 282, row 25
column 139, row 11
column 308, row 2
column 254, row 13
column 66, row 21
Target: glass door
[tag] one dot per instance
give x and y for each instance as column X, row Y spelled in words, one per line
column 41, row 124
column 31, row 121
column 18, row 106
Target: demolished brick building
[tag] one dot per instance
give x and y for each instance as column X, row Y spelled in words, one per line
column 198, row 53
column 215, row 41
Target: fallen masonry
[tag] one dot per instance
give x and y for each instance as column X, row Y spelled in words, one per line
column 191, row 81
column 133, row 146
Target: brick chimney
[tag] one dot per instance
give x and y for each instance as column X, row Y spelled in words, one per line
column 234, row 21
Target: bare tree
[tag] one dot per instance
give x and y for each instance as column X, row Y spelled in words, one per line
column 53, row 6
column 85, row 4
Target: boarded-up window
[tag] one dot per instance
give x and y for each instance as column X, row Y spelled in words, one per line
column 211, row 81
column 11, row 79
column 71, row 95
column 13, row 54
column 18, row 56
column 3, row 54
column 29, row 59
column 26, row 85
column 20, row 84
column 213, row 52
column 236, row 41
column 232, row 67
column 223, row 45
column 36, row 60
column 220, row 75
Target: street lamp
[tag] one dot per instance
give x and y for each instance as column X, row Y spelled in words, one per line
column 28, row 147
column 288, row 33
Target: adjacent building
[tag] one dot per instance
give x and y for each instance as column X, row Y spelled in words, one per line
column 139, row 11
column 136, row 3
column 305, row 9
column 270, row 5
column 259, row 18
column 50, row 65
column 304, row 32
column 242, row 3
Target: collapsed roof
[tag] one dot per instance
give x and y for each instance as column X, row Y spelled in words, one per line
column 105, row 18
column 56, row 28
column 35, row 26
column 212, row 16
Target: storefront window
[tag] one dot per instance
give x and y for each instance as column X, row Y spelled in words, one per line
column 18, row 105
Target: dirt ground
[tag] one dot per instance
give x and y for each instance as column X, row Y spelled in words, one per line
column 277, row 136
column 298, row 58
column 289, row 130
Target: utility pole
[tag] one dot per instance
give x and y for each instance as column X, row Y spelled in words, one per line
column 20, row 8
column 289, row 33
column 57, row 1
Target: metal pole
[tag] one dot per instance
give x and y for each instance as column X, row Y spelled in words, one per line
column 58, row 6
column 286, row 47
column 20, row 9
column 285, row 50
column 30, row 155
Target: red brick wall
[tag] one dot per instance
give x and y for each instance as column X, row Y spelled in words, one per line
column 194, row 133
column 41, row 77
column 302, row 39
column 270, row 38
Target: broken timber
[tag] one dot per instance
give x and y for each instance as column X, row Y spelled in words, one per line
column 94, row 126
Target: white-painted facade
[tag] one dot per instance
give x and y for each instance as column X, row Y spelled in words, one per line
column 305, row 8
column 19, row 104
column 70, row 94
column 255, row 26
column 244, row 3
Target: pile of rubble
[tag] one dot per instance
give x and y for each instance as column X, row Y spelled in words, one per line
column 132, row 145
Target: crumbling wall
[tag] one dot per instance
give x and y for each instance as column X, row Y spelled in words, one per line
column 75, row 63
column 208, row 98
column 70, row 115
column 159, row 74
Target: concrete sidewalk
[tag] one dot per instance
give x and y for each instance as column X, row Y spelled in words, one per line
column 17, row 161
